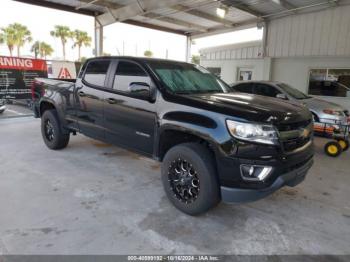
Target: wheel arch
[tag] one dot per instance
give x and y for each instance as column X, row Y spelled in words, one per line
column 172, row 136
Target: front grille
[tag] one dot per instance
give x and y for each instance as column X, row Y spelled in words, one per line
column 295, row 135
column 293, row 126
column 292, row 144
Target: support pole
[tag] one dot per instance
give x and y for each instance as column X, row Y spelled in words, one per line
column 98, row 38
column 188, row 48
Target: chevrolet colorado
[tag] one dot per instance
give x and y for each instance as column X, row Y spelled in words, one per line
column 212, row 144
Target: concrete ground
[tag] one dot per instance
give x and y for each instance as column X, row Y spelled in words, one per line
column 93, row 198
column 16, row 110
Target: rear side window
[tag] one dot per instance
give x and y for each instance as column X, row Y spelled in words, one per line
column 244, row 88
column 96, row 72
column 128, row 73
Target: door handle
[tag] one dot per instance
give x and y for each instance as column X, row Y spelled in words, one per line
column 81, row 93
column 111, row 100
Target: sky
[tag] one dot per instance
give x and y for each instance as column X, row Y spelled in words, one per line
column 119, row 38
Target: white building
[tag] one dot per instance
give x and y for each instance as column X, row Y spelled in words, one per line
column 301, row 49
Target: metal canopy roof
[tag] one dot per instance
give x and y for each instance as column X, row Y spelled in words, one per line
column 195, row 18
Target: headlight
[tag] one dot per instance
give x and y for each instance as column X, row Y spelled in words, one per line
column 265, row 134
column 333, row 112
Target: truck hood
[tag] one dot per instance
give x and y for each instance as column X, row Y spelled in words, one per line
column 253, row 107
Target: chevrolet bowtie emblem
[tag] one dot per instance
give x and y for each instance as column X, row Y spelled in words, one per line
column 304, row 133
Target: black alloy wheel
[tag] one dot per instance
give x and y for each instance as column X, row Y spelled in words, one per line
column 184, row 180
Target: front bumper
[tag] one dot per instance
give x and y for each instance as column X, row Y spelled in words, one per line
column 240, row 195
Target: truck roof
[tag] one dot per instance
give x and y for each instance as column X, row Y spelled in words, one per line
column 139, row 59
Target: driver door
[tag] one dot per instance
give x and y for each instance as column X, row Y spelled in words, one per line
column 129, row 120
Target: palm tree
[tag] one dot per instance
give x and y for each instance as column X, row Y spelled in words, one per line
column 9, row 38
column 62, row 32
column 35, row 49
column 81, row 38
column 45, row 50
column 41, row 48
column 148, row 53
column 22, row 35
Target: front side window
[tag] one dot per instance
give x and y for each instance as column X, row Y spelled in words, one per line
column 266, row 90
column 96, row 72
column 127, row 73
column 244, row 88
column 182, row 78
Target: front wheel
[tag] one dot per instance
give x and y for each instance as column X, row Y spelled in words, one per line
column 189, row 178
column 333, row 149
column 51, row 131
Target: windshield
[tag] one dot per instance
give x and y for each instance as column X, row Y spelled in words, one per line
column 293, row 92
column 181, row 78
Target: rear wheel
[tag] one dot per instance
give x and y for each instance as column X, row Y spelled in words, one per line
column 333, row 149
column 51, row 131
column 344, row 144
column 189, row 178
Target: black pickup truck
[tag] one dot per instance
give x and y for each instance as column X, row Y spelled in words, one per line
column 214, row 145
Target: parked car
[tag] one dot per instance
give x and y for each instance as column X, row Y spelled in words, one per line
column 213, row 145
column 2, row 106
column 323, row 111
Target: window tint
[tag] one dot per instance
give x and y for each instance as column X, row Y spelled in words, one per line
column 81, row 72
column 266, row 90
column 244, row 88
column 182, row 78
column 330, row 82
column 215, row 70
column 96, row 72
column 328, row 88
column 128, row 73
column 129, row 69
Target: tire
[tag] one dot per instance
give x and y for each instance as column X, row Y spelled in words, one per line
column 199, row 163
column 344, row 144
column 333, row 149
column 51, row 131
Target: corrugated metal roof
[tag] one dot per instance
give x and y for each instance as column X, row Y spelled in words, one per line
column 191, row 17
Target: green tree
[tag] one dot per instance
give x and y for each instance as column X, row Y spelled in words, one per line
column 148, row 53
column 41, row 48
column 63, row 33
column 22, row 35
column 195, row 59
column 35, row 49
column 80, row 39
column 8, row 36
column 45, row 50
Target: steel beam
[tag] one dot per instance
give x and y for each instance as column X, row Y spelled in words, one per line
column 242, row 7
column 171, row 20
column 188, row 49
column 98, row 38
column 134, row 9
column 221, row 30
column 284, row 4
column 206, row 16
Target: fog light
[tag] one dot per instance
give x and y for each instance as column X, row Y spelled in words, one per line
column 255, row 173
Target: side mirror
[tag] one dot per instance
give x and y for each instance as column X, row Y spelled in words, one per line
column 282, row 96
column 140, row 89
